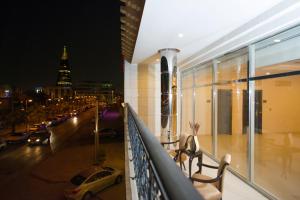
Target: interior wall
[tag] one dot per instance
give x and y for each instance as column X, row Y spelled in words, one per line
column 186, row 103
column 203, row 106
column 281, row 97
column 130, row 85
column 148, row 92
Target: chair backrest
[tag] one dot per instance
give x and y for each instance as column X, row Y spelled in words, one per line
column 192, row 143
column 225, row 161
column 182, row 141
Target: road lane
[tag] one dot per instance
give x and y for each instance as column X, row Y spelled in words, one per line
column 59, row 134
column 19, row 158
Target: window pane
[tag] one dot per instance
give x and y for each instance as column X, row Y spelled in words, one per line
column 232, row 67
column 278, row 54
column 232, row 110
column 203, row 116
column 203, row 75
column 277, row 137
column 232, row 124
column 187, row 110
column 277, row 145
column 187, row 80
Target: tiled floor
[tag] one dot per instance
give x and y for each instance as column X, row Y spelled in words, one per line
column 234, row 188
column 276, row 160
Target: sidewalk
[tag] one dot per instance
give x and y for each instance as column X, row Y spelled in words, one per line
column 64, row 164
column 60, row 167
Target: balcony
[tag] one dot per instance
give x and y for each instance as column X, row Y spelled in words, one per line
column 152, row 174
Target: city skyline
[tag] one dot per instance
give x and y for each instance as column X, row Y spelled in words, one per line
column 34, row 34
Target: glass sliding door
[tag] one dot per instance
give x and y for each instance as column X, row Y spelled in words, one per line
column 251, row 112
column 187, row 105
column 277, row 143
column 231, row 95
column 203, row 105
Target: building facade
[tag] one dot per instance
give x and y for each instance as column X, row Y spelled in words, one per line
column 64, row 71
column 58, row 92
column 103, row 90
column 239, row 79
column 63, row 88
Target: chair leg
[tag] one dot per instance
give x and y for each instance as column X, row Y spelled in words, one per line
column 200, row 159
column 190, row 166
column 180, row 161
column 183, row 165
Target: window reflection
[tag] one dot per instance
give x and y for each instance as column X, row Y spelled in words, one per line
column 232, row 99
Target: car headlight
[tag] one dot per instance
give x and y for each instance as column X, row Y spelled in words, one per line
column 37, row 140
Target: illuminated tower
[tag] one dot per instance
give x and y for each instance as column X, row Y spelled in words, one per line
column 64, row 71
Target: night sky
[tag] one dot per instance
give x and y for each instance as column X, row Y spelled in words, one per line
column 33, row 33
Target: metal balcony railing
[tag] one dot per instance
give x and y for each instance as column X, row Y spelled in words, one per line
column 157, row 176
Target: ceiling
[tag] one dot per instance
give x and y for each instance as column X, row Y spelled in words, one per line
column 191, row 25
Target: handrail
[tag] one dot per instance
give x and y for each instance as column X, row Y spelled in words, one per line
column 156, row 174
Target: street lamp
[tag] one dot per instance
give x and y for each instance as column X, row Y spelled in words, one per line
column 26, row 102
column 96, row 138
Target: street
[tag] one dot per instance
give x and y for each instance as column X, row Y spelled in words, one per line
column 43, row 172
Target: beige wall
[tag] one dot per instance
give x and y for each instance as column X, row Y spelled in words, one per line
column 203, row 105
column 281, row 107
column 186, row 103
column 142, row 91
column 130, row 85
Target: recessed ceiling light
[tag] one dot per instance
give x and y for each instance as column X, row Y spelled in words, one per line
column 268, row 73
column 180, row 35
column 276, row 40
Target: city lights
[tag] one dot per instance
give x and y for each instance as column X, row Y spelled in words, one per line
column 75, row 120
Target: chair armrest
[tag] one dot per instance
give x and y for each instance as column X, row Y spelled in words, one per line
column 209, row 166
column 173, row 142
column 206, row 180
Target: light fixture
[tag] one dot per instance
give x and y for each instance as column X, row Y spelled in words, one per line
column 276, row 40
column 157, row 60
column 268, row 73
column 180, row 35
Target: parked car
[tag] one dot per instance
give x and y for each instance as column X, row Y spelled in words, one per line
column 55, row 121
column 37, row 127
column 74, row 113
column 2, row 144
column 61, row 118
column 91, row 181
column 17, row 137
column 50, row 121
column 39, row 137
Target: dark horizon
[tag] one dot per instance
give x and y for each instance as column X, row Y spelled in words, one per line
column 34, row 33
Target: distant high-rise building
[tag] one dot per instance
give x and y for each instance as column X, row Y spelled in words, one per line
column 64, row 71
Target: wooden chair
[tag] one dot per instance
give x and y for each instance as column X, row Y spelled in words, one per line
column 176, row 153
column 212, row 188
column 193, row 150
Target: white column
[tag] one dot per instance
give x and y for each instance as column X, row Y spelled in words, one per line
column 131, row 84
column 168, row 91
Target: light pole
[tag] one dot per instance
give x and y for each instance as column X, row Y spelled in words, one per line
column 26, row 110
column 96, row 134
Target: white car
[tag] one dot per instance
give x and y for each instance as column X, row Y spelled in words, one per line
column 92, row 180
column 2, row 144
